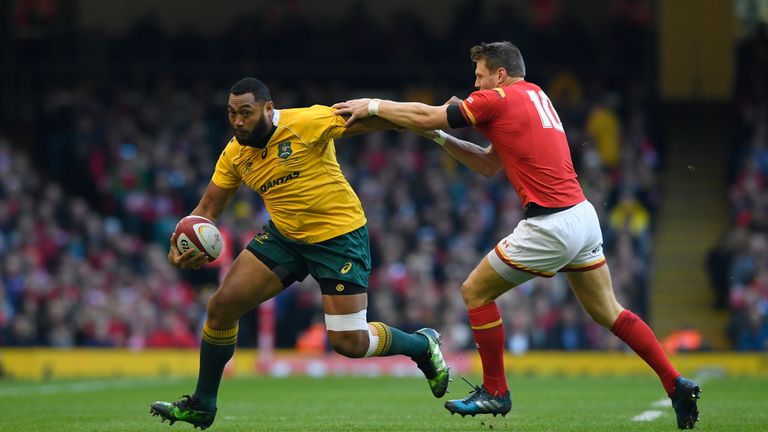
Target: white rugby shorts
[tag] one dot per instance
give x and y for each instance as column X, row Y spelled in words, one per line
column 569, row 240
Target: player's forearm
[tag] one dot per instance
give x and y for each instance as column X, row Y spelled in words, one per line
column 413, row 115
column 206, row 212
column 479, row 159
column 213, row 202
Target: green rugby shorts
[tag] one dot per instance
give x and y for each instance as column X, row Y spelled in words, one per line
column 340, row 265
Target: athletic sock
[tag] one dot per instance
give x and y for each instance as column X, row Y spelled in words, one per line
column 393, row 341
column 489, row 338
column 216, row 348
column 636, row 333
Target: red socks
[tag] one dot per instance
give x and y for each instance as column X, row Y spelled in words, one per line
column 489, row 338
column 636, row 333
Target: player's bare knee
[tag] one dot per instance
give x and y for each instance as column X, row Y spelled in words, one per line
column 471, row 295
column 353, row 344
column 603, row 315
column 220, row 313
column 603, row 312
column 596, row 317
column 607, row 317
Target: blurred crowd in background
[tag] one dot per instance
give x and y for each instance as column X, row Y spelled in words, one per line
column 86, row 214
column 90, row 268
column 738, row 265
column 84, row 242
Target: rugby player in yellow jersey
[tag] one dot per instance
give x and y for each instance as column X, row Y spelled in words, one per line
column 318, row 227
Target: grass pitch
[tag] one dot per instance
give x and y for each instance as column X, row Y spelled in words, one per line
column 378, row 404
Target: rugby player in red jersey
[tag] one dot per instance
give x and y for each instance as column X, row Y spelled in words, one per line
column 560, row 232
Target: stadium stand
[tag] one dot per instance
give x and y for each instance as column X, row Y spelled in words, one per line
column 738, row 265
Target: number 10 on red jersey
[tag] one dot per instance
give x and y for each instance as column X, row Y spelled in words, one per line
column 547, row 113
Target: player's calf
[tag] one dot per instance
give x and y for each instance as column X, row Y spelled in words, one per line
column 353, row 344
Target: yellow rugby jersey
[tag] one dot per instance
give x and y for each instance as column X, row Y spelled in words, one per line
column 297, row 175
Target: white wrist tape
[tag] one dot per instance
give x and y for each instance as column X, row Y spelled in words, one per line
column 373, row 107
column 441, row 137
column 348, row 322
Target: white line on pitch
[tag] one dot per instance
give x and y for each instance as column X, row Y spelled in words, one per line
column 79, row 387
column 647, row 416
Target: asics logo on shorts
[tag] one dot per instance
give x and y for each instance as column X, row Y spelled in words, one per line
column 347, row 267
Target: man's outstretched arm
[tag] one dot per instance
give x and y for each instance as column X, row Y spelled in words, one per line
column 410, row 115
column 429, row 120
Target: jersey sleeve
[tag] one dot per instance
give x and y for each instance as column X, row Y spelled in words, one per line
column 480, row 106
column 318, row 124
column 225, row 176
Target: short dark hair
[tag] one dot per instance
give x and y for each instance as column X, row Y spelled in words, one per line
column 252, row 85
column 500, row 55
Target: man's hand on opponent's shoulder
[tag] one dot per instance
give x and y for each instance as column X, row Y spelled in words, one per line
column 356, row 109
column 190, row 259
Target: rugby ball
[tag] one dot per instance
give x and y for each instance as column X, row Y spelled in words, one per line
column 200, row 234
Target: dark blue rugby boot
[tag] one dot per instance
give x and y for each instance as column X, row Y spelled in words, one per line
column 481, row 402
column 684, row 400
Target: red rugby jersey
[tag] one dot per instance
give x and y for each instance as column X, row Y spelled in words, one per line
column 526, row 132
